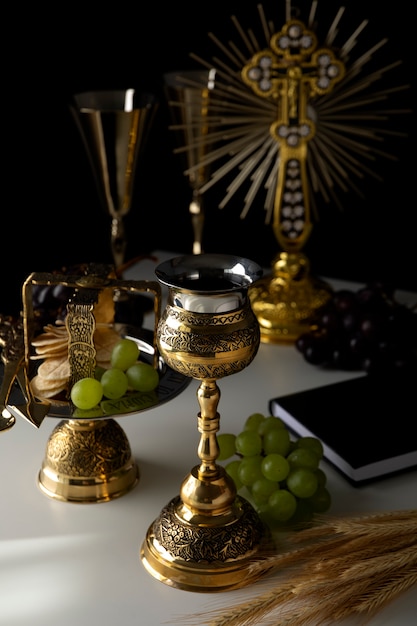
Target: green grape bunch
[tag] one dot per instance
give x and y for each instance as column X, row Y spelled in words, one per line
column 127, row 373
column 282, row 476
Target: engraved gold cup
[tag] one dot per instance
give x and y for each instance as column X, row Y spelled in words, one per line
column 205, row 536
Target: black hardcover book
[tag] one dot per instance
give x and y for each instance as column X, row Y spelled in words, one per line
column 367, row 425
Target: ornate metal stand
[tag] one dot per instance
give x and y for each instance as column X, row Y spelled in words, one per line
column 291, row 72
column 284, row 302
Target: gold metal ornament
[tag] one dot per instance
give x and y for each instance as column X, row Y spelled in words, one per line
column 290, row 73
column 204, row 538
column 12, row 360
column 289, row 119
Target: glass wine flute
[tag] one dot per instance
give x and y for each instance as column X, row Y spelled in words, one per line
column 114, row 126
column 189, row 95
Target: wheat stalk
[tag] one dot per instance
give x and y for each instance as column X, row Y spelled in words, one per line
column 338, row 568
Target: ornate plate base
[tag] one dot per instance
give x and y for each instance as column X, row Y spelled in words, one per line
column 87, row 461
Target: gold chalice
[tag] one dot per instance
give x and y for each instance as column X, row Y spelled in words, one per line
column 204, row 537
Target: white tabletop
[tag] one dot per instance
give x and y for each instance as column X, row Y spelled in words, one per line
column 64, row 563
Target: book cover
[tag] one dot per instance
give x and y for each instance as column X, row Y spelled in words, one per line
column 367, row 425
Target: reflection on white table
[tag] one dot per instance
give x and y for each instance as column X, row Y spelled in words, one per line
column 69, row 564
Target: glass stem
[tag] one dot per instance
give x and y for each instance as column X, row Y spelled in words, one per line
column 118, row 241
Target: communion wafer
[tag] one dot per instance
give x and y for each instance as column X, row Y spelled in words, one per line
column 55, row 369
column 47, row 389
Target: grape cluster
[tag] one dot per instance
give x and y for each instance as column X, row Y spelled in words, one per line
column 126, row 373
column 282, row 477
column 364, row 330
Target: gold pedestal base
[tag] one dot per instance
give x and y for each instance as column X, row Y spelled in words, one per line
column 284, row 302
column 207, row 556
column 87, row 461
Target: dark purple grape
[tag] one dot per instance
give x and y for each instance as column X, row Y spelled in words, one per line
column 315, row 347
column 372, row 325
column 329, row 320
column 351, row 320
column 344, row 300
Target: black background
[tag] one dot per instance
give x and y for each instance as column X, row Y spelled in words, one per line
column 51, row 215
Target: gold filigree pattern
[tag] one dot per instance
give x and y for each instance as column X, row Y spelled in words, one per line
column 76, row 450
column 81, row 325
column 200, row 371
column 203, row 345
column 208, row 543
column 190, row 318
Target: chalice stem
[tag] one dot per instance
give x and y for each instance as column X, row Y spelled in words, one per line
column 197, row 221
column 118, row 241
column 208, row 395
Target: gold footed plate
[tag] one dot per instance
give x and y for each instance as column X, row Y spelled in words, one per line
column 89, row 459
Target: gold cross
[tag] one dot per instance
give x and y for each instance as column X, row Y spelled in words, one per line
column 292, row 72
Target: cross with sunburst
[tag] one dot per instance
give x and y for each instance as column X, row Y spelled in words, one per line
column 292, row 118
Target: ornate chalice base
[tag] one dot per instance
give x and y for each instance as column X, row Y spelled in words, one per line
column 87, row 461
column 203, row 558
column 285, row 301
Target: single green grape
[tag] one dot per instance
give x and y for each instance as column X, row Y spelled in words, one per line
column 250, row 469
column 114, row 382
column 124, row 354
column 142, row 377
column 303, row 457
column 86, row 393
column 232, row 468
column 321, row 500
column 302, row 482
column 269, row 423
column 248, row 443
column 253, row 421
column 282, row 504
column 275, row 467
column 226, row 443
column 277, row 440
column 262, row 488
column 311, row 443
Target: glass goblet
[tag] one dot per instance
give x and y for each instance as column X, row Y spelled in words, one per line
column 114, row 126
column 189, row 98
